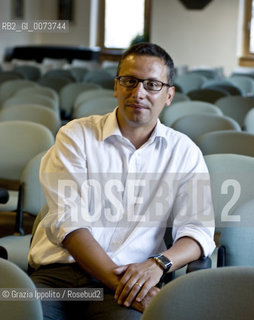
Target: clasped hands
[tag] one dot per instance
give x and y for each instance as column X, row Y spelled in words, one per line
column 137, row 284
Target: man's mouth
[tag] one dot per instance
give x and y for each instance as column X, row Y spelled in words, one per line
column 137, row 106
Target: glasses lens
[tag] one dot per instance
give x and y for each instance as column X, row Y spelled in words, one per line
column 128, row 82
column 153, row 85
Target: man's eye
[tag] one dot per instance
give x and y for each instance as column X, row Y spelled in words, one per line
column 152, row 84
column 130, row 81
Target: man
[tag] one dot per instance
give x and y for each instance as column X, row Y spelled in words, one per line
column 102, row 181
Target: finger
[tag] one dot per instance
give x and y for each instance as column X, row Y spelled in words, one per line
column 121, row 285
column 142, row 293
column 131, row 287
column 133, row 293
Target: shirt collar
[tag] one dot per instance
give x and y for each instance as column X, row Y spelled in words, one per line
column 111, row 128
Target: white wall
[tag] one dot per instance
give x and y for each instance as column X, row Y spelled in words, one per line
column 206, row 37
column 79, row 32
column 198, row 37
column 11, row 38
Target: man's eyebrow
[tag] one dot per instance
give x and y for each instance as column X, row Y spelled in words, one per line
column 154, row 79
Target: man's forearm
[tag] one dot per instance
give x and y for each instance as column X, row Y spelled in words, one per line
column 91, row 257
column 183, row 251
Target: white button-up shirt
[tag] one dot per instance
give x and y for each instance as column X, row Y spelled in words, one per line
column 94, row 177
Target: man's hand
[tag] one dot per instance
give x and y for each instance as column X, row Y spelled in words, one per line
column 141, row 306
column 136, row 281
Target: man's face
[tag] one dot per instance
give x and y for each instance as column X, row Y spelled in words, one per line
column 137, row 106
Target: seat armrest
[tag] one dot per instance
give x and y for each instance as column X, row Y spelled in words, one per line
column 221, row 257
column 202, row 263
column 3, row 253
column 4, row 195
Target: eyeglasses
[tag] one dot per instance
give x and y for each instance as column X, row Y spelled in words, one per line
column 149, row 84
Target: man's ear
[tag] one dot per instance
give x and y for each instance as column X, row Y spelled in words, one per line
column 171, row 93
column 115, row 89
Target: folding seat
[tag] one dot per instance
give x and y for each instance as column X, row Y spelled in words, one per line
column 222, row 293
column 190, row 81
column 236, row 107
column 33, row 112
column 91, row 94
column 195, row 125
column 69, row 93
column 33, row 200
column 20, row 141
column 13, row 278
column 95, row 106
column 177, row 110
column 226, row 141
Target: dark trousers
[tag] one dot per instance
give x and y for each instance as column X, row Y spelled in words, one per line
column 72, row 276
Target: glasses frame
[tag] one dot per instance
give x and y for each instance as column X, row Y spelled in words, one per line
column 143, row 82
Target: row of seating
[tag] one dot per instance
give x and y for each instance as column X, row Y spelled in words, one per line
column 17, row 92
column 236, row 108
column 197, row 295
column 192, row 82
column 73, row 95
column 57, row 78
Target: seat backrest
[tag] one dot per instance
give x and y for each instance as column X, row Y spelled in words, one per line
column 13, row 278
column 248, row 122
column 59, row 73
column 34, row 198
column 179, row 97
column 31, row 99
column 230, row 88
column 29, row 72
column 69, row 93
column 20, row 141
column 48, row 92
column 9, row 75
column 209, row 73
column 238, row 238
column 177, row 110
column 224, row 84
column 190, row 81
column 207, row 95
column 243, row 82
column 78, row 73
column 232, row 177
column 235, row 107
column 197, row 124
column 101, row 77
column 222, row 293
column 96, row 106
column 55, row 83
column 226, row 141
column 33, row 112
column 8, row 88
column 91, row 94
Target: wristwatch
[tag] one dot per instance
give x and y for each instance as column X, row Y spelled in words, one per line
column 163, row 262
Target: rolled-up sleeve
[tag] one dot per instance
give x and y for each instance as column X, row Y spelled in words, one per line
column 62, row 173
column 193, row 214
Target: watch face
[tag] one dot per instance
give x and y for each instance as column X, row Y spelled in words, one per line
column 164, row 262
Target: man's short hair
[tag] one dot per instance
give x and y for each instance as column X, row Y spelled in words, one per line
column 153, row 50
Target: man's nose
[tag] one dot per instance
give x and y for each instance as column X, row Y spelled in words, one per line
column 139, row 91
